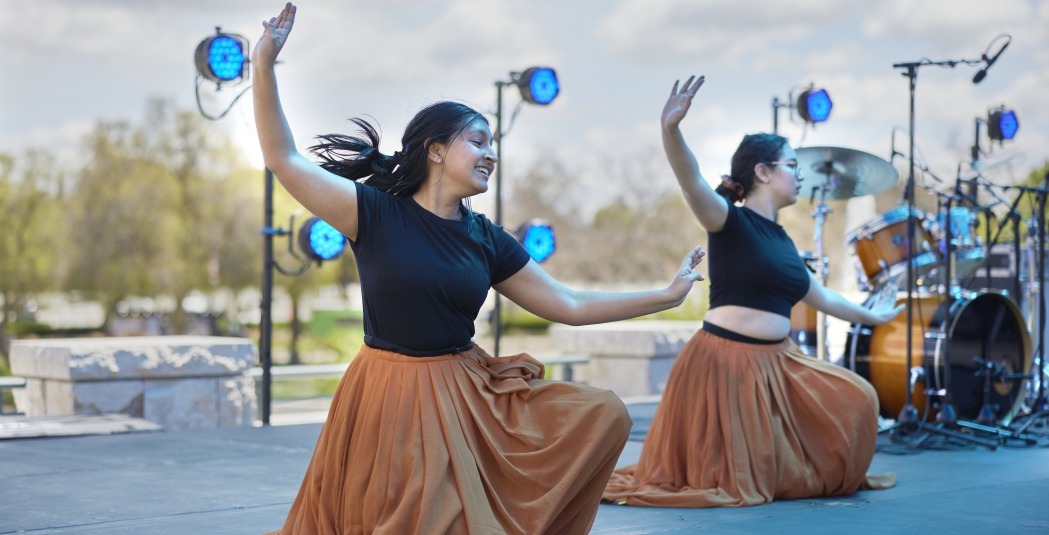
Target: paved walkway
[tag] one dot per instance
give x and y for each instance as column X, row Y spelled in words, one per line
column 242, row 480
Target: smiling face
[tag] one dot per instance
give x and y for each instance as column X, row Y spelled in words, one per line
column 469, row 160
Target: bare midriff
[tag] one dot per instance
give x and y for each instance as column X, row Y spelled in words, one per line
column 750, row 322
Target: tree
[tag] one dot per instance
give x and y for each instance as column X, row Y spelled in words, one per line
column 314, row 277
column 31, row 195
column 163, row 208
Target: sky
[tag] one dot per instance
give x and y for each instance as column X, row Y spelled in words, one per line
column 70, row 63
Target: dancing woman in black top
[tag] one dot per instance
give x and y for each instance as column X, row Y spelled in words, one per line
column 427, row 433
column 746, row 417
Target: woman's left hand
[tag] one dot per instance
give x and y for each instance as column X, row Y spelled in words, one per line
column 687, row 274
column 885, row 312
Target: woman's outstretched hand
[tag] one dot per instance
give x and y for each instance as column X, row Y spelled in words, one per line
column 680, row 100
column 274, row 35
column 687, row 274
column 884, row 313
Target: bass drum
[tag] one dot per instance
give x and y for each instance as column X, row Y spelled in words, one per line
column 978, row 347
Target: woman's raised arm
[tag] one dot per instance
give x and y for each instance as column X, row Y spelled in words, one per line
column 709, row 208
column 328, row 196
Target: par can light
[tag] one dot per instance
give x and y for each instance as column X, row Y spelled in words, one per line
column 814, row 105
column 539, row 85
column 1002, row 124
column 320, row 241
column 537, row 237
column 221, row 58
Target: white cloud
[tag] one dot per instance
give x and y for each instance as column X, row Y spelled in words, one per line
column 682, row 29
column 956, row 23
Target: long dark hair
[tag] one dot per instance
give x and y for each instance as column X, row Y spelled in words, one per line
column 403, row 172
column 754, row 149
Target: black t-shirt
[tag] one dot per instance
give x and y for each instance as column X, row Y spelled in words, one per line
column 424, row 278
column 754, row 264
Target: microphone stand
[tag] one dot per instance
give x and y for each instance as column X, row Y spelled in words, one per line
column 908, row 422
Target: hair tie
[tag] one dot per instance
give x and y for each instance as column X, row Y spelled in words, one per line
column 397, row 157
column 736, row 187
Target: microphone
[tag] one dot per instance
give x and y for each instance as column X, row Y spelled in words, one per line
column 982, row 73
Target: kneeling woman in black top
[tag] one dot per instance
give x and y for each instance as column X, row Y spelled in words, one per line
column 427, row 433
column 746, row 417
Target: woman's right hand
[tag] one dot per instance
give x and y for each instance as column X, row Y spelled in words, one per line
column 680, row 99
column 686, row 275
column 274, row 35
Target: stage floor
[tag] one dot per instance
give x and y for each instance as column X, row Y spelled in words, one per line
column 242, row 480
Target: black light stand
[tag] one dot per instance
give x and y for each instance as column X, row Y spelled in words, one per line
column 908, row 421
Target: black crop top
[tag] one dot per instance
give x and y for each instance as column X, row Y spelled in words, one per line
column 424, row 278
column 754, row 264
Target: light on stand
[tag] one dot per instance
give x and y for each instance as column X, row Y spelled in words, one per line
column 537, row 237
column 1002, row 124
column 320, row 241
column 221, row 58
column 538, row 85
column 814, row 105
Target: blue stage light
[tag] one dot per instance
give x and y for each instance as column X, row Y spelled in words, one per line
column 221, row 58
column 1002, row 124
column 814, row 105
column 539, row 85
column 537, row 238
column 320, row 241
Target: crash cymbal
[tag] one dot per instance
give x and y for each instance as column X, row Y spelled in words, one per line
column 844, row 173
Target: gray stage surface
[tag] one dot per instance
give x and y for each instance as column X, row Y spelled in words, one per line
column 242, row 480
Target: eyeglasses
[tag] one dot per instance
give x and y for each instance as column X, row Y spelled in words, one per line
column 793, row 164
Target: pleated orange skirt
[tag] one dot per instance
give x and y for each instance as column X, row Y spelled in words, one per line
column 744, row 424
column 462, row 443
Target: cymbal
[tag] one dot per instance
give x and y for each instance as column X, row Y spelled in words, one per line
column 844, row 173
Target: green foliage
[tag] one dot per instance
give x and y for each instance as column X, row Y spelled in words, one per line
column 518, row 319
column 304, row 388
column 326, row 323
column 162, row 207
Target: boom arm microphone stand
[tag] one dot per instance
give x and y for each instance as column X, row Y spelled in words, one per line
column 908, row 421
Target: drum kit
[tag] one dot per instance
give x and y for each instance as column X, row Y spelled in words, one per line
column 971, row 351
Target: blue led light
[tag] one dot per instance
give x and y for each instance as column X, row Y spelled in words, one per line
column 815, row 106
column 543, row 85
column 226, row 58
column 1008, row 124
column 320, row 241
column 538, row 240
column 538, row 85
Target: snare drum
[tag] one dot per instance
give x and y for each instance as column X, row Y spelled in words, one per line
column 880, row 247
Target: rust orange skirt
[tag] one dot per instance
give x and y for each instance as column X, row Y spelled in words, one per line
column 462, row 443
column 743, row 424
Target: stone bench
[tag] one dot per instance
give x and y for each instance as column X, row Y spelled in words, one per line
column 179, row 382
column 630, row 358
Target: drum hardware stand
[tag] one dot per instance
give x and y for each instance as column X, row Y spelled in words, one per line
column 908, row 421
column 1015, row 217
column 986, row 422
column 820, row 215
column 947, row 416
column 1040, row 405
